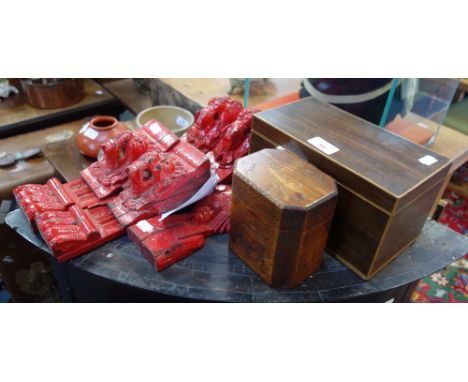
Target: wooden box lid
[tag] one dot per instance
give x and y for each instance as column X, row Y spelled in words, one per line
column 382, row 167
column 285, row 179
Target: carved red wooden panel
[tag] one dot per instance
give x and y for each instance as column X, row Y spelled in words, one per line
column 160, row 182
column 35, row 199
column 223, row 128
column 76, row 231
column 108, row 175
column 82, row 195
column 165, row 242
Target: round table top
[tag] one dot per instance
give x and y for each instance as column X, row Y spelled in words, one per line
column 215, row 274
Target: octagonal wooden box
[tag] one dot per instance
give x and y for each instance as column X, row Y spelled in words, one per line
column 282, row 208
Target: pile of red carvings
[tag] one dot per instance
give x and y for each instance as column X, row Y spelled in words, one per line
column 142, row 177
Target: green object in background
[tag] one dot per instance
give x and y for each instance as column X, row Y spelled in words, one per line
column 457, row 116
column 383, row 120
column 246, row 92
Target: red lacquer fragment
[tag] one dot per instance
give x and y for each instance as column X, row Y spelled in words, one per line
column 160, row 182
column 76, row 231
column 107, row 176
column 165, row 242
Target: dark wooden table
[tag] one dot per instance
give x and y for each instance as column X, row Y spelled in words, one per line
column 118, row 272
column 17, row 116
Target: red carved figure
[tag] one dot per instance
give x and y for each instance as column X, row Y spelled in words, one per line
column 210, row 121
column 160, row 182
column 222, row 127
column 108, row 175
column 141, row 175
column 234, row 141
column 165, row 242
column 215, row 210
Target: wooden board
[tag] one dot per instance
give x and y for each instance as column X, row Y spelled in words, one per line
column 201, row 90
column 452, row 144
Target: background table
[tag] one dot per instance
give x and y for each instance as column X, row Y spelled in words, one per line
column 33, row 170
column 193, row 93
column 17, row 116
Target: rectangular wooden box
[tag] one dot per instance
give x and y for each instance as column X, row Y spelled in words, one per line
column 281, row 212
column 386, row 184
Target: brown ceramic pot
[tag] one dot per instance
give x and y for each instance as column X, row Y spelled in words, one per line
column 98, row 131
column 53, row 94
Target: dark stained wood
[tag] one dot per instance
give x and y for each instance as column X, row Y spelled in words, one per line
column 385, row 193
column 127, row 92
column 17, row 116
column 281, row 212
column 381, row 166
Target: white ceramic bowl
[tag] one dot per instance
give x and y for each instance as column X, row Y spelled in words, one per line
column 174, row 118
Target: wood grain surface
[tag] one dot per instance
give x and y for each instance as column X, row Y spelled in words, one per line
column 377, row 164
column 281, row 212
column 201, row 90
column 286, row 180
column 382, row 204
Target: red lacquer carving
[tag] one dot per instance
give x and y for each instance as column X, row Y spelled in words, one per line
column 165, row 242
column 35, row 199
column 82, row 195
column 160, row 182
column 108, row 175
column 76, row 231
column 210, row 121
column 223, row 128
column 141, row 175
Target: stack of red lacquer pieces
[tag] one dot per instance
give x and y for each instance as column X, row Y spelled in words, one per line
column 141, row 175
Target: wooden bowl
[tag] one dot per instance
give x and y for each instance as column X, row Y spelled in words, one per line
column 174, row 118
